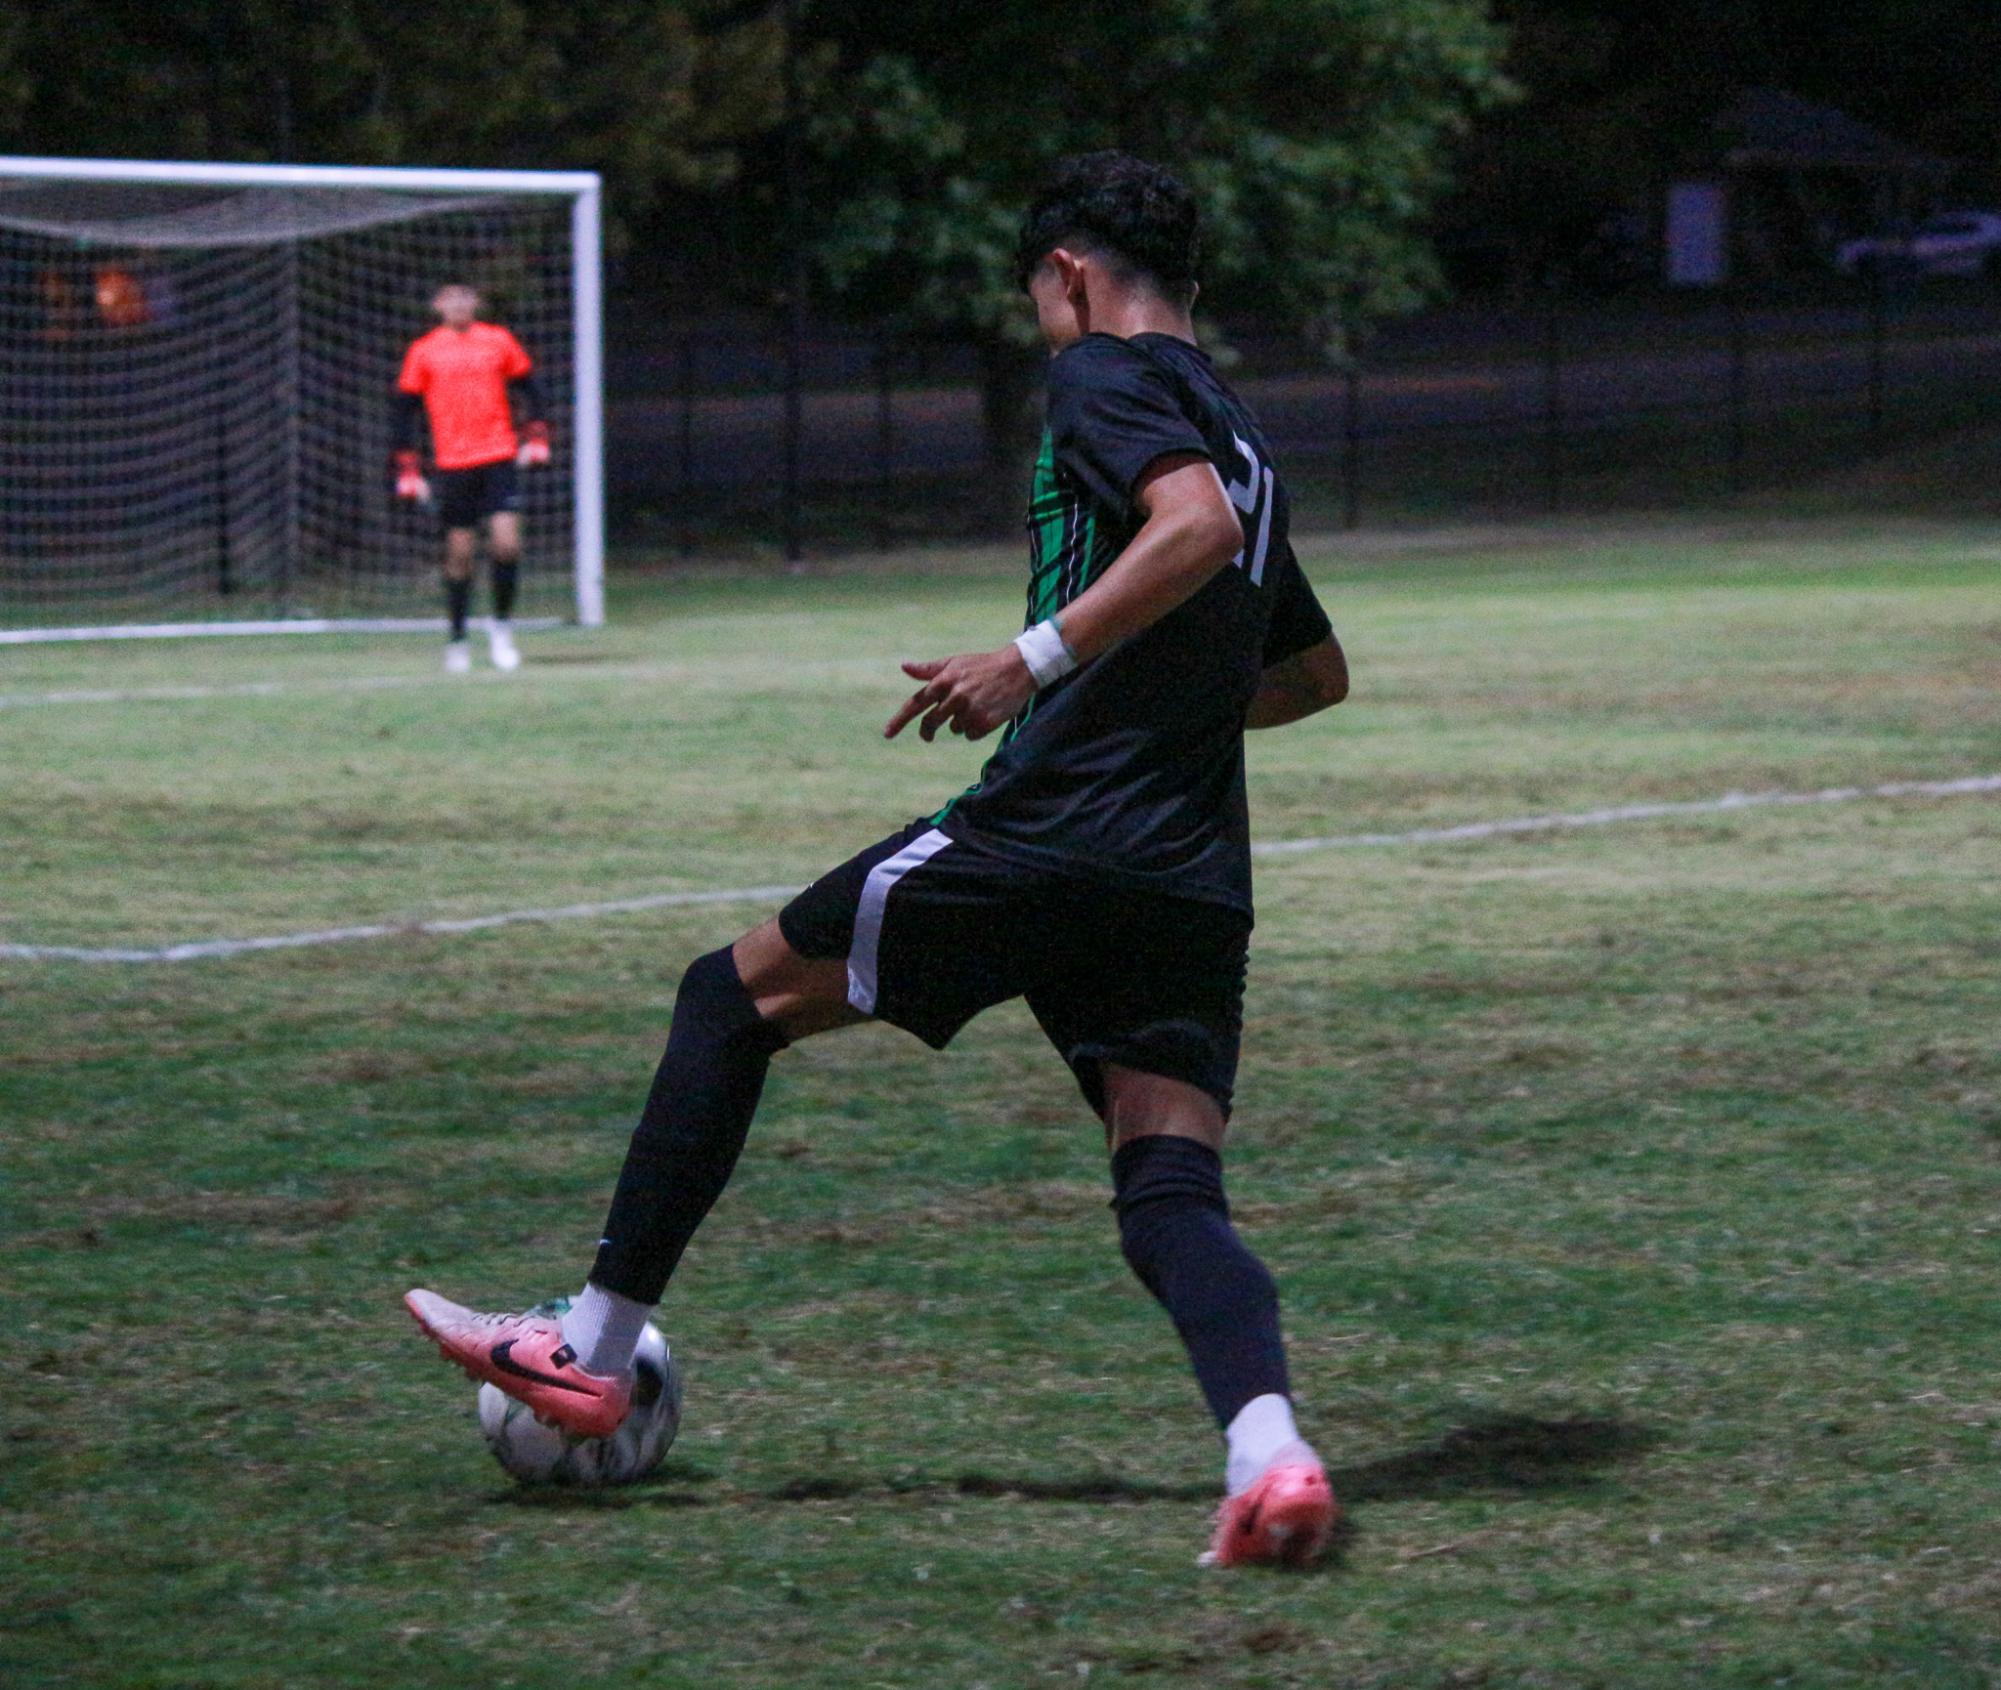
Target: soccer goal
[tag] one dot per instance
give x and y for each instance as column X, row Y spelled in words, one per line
column 196, row 363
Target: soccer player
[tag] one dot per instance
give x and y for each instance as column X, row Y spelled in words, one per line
column 1100, row 866
column 462, row 376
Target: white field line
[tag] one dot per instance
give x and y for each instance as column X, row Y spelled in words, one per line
column 238, row 689
column 333, row 684
column 534, row 674
column 290, row 625
column 1971, row 784
column 195, row 949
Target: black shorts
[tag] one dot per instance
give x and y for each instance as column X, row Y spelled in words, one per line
column 466, row 497
column 935, row 930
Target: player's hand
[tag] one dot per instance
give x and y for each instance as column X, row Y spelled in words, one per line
column 534, row 453
column 972, row 694
column 410, row 482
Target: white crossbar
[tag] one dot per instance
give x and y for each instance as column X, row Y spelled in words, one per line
column 301, row 175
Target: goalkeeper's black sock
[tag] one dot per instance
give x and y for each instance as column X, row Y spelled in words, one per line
column 1174, row 1227
column 506, row 583
column 691, row 1132
column 458, row 600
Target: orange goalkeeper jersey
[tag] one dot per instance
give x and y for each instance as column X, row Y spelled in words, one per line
column 462, row 377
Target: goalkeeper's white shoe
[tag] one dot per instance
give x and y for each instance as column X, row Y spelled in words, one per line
column 458, row 658
column 500, row 639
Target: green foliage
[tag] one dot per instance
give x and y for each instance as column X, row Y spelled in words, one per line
column 640, row 90
column 1315, row 131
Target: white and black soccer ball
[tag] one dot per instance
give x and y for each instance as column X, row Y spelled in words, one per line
column 544, row 1455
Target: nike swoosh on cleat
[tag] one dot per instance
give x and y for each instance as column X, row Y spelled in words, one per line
column 505, row 1361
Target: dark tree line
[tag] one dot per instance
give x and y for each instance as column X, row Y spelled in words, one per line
column 1318, row 132
column 1324, row 134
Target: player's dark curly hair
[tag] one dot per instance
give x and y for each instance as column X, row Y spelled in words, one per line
column 1115, row 205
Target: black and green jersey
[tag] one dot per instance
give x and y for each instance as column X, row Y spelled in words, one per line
column 1131, row 769
column 1069, row 546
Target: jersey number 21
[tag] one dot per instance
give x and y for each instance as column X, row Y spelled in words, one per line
column 1252, row 496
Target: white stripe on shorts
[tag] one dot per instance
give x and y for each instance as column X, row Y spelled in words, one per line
column 869, row 912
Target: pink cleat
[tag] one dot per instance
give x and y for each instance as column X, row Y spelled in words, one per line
column 525, row 1356
column 1284, row 1519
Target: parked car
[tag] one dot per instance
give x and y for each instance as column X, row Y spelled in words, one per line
column 1960, row 243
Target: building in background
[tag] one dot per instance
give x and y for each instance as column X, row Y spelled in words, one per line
column 1783, row 184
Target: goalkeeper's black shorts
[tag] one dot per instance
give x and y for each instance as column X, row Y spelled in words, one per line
column 467, row 497
column 936, row 929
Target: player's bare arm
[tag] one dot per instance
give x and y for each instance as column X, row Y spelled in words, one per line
column 1191, row 531
column 1299, row 686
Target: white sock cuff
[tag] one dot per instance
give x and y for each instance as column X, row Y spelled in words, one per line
column 604, row 1328
column 1261, row 1430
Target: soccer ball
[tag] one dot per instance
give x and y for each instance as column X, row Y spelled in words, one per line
column 544, row 1455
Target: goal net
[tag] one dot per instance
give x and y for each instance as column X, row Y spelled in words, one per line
column 196, row 368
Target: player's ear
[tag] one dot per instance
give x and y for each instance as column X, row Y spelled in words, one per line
column 1069, row 270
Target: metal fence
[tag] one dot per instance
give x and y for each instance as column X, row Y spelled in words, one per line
column 1470, row 413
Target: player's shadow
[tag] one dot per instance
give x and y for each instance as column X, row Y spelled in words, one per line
column 1084, row 1488
column 1486, row 1454
column 667, row 1487
column 671, row 1487
column 1489, row 1453
column 1497, row 1453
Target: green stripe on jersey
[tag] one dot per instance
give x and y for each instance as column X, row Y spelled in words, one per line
column 1067, row 551
column 1052, row 515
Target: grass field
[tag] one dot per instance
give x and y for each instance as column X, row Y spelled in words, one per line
column 1633, row 1189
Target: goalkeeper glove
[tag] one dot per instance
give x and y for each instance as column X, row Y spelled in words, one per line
column 534, row 453
column 410, row 482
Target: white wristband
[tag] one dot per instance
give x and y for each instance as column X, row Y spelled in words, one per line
column 1047, row 654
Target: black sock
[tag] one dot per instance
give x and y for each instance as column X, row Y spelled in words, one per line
column 506, row 583
column 691, row 1131
column 458, row 599
column 1174, row 1226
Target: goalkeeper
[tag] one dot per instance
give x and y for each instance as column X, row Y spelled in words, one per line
column 462, row 376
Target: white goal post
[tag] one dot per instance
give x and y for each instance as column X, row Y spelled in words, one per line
column 196, row 367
